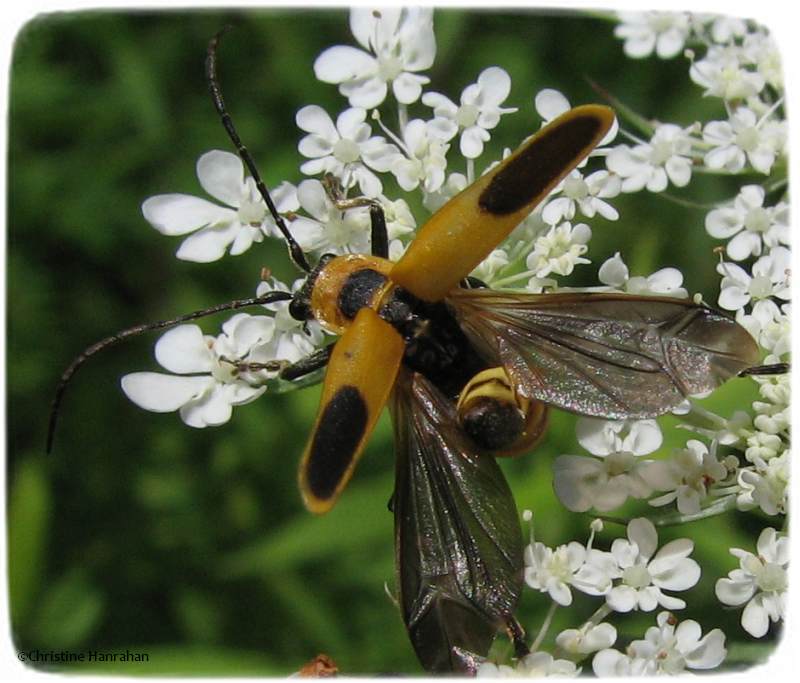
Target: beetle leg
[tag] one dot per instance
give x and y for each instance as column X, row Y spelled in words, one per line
column 309, row 364
column 285, row 369
column 772, row 369
column 379, row 237
column 517, row 635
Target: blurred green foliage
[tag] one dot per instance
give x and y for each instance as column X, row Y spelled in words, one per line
column 140, row 533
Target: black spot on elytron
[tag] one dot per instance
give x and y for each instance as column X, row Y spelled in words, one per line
column 340, row 429
column 531, row 172
column 358, row 290
column 492, row 424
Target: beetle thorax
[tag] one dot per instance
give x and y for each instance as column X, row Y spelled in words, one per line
column 345, row 285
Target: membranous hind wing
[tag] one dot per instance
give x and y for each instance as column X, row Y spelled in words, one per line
column 615, row 356
column 457, row 533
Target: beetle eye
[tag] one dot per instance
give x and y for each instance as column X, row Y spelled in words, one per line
column 299, row 307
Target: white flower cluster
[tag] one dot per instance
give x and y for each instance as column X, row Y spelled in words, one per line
column 693, row 477
column 631, row 576
column 741, row 461
column 668, row 648
column 741, row 66
column 761, row 582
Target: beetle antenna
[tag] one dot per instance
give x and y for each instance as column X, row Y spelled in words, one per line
column 122, row 335
column 295, row 252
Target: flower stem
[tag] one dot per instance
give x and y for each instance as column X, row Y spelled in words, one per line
column 602, row 612
column 513, row 278
column 544, row 627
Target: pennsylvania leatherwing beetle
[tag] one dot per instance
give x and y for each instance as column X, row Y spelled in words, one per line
column 468, row 374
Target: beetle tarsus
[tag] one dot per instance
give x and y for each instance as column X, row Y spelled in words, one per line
column 770, row 369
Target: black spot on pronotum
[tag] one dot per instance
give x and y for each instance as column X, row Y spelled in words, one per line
column 340, row 429
column 540, row 164
column 358, row 290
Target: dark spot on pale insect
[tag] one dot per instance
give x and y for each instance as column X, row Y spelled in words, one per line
column 336, row 440
column 539, row 165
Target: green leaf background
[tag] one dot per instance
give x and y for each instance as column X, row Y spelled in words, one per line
column 139, row 533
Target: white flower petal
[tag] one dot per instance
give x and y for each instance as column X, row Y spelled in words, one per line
column 723, row 223
column 240, row 393
column 687, row 633
column 209, row 411
column 162, row 393
column 567, row 473
column 249, row 331
column 671, row 553
column 733, row 298
column 648, row 597
column 368, row 92
column 640, row 46
column 755, row 619
column 343, row 63
column 442, row 128
column 314, row 147
column 244, row 240
column 735, row 592
column 679, row 170
column 472, row 140
column 550, row 104
column 208, row 244
column 667, row 280
column 624, row 552
column 495, row 84
column 408, row 87
column 367, row 28
column 178, row 214
column 670, row 602
column 559, row 592
column 611, row 664
column 710, row 651
column 621, row 598
column 644, row 437
column 670, row 43
column 613, row 272
column 222, row 175
column 417, row 39
column 314, row 119
column 680, row 577
column 744, row 245
column 312, row 198
column 766, row 543
column 599, row 637
column 642, row 532
column 183, row 350
column 350, row 123
column 597, row 436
